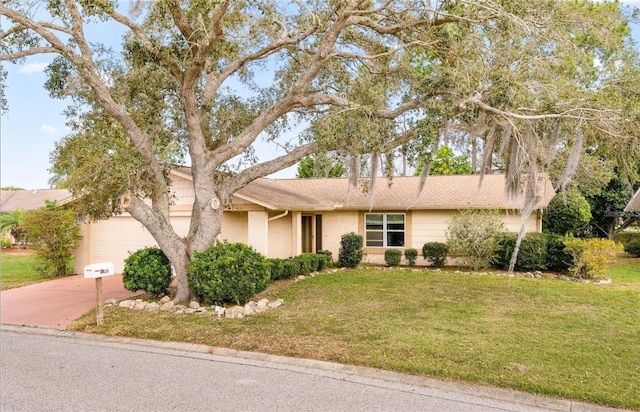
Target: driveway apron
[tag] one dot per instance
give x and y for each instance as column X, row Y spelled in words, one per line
column 57, row 303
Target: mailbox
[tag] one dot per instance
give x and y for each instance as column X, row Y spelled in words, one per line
column 98, row 270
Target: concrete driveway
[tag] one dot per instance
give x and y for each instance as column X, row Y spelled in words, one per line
column 57, row 303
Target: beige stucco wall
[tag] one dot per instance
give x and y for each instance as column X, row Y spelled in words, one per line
column 280, row 235
column 234, row 227
column 334, row 225
column 432, row 225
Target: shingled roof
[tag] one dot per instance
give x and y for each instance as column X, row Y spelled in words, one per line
column 634, row 203
column 440, row 192
column 31, row 199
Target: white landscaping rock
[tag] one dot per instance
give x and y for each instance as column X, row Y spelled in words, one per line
column 218, row 310
column 164, row 299
column 140, row 305
column 126, row 304
column 152, row 307
column 168, row 306
column 275, row 304
column 194, row 305
column 235, row 312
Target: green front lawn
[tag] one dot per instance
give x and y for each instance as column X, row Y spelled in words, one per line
column 545, row 336
column 18, row 270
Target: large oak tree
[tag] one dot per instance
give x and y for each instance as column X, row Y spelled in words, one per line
column 206, row 81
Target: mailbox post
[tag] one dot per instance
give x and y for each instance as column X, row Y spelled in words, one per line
column 97, row 271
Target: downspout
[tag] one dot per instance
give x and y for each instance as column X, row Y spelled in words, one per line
column 286, row 212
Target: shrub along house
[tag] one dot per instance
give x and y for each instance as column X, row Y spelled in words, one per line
column 286, row 217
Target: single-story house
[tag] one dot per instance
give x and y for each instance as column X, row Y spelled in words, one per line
column 634, row 203
column 11, row 200
column 286, row 217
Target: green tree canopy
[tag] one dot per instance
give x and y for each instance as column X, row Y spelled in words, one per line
column 320, row 165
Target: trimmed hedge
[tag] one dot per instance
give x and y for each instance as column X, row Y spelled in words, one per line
column 533, row 252
column 538, row 251
column 392, row 257
column 633, row 248
column 299, row 265
column 228, row 272
column 147, row 269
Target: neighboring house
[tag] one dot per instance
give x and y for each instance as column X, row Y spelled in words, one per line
column 634, row 203
column 286, row 217
column 11, row 200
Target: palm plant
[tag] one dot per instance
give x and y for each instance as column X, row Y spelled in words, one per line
column 13, row 223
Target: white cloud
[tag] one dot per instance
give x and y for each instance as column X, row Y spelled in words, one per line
column 47, row 129
column 32, row 68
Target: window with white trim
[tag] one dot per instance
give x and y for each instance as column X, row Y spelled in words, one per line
column 384, row 229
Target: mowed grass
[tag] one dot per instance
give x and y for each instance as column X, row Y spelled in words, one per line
column 546, row 336
column 18, row 270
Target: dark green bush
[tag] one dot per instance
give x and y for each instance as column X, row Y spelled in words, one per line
column 291, row 268
column 633, row 248
column 411, row 255
column 533, row 252
column 392, row 257
column 626, row 237
column 276, row 268
column 567, row 213
column 325, row 259
column 505, row 244
column 228, row 272
column 350, row 253
column 557, row 259
column 435, row 253
column 147, row 269
column 311, row 262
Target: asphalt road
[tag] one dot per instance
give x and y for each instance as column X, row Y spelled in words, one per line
column 56, row 370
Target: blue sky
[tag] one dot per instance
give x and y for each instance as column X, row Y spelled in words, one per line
column 34, row 122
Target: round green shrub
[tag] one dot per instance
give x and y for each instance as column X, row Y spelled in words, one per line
column 567, row 213
column 392, row 257
column 435, row 253
column 350, row 253
column 411, row 255
column 633, row 248
column 147, row 269
column 228, row 272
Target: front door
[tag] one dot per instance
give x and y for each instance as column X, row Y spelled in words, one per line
column 311, row 233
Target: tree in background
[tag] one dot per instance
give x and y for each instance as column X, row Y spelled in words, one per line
column 320, row 165
column 607, row 209
column 203, row 82
column 53, row 233
column 446, row 162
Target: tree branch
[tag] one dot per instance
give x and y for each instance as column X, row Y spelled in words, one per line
column 266, row 168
